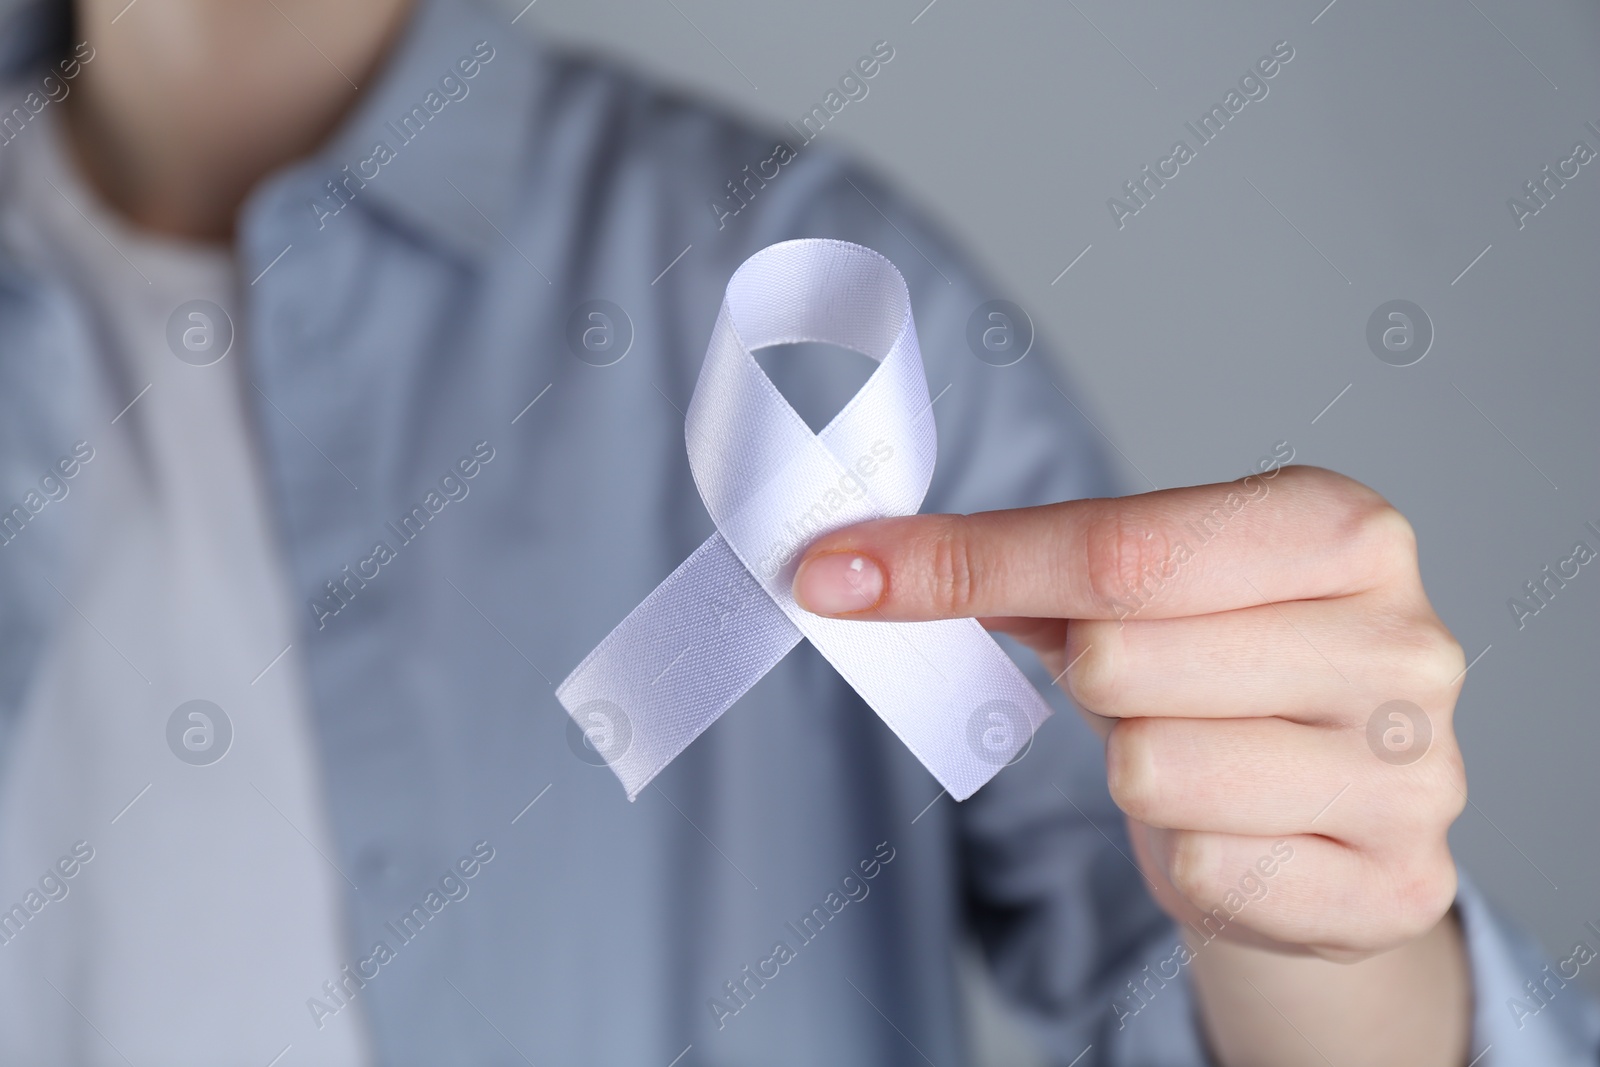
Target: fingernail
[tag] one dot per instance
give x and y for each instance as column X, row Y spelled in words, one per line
column 838, row 583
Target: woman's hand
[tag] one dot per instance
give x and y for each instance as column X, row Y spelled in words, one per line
column 1274, row 689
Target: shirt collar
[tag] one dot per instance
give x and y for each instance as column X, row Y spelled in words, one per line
column 457, row 179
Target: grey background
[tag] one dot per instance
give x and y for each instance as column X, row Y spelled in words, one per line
column 1224, row 318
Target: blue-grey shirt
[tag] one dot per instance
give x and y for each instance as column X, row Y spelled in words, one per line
column 413, row 302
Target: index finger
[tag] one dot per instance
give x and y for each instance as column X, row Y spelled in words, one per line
column 1302, row 534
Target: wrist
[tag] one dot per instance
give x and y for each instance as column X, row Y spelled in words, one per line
column 1411, row 1005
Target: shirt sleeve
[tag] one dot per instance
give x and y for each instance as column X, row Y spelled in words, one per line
column 1527, row 1007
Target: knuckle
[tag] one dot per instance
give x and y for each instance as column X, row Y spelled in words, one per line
column 1190, row 868
column 1422, row 891
column 1324, row 480
column 1092, row 681
column 1124, row 560
column 1441, row 657
column 1443, row 787
column 1453, row 767
column 1330, row 484
column 1421, row 801
column 1382, row 536
column 1376, row 536
column 1130, row 770
column 1339, row 496
column 951, row 570
column 1448, row 805
column 1426, row 659
column 1401, row 899
column 1425, row 808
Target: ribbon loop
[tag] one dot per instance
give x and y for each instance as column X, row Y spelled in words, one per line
column 726, row 616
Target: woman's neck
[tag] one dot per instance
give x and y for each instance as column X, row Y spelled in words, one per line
column 187, row 104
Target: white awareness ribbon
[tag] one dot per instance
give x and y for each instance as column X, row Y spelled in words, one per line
column 726, row 616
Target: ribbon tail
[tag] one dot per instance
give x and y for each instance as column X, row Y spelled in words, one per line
column 669, row 670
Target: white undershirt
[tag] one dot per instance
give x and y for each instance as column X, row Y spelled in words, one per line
column 211, row 909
